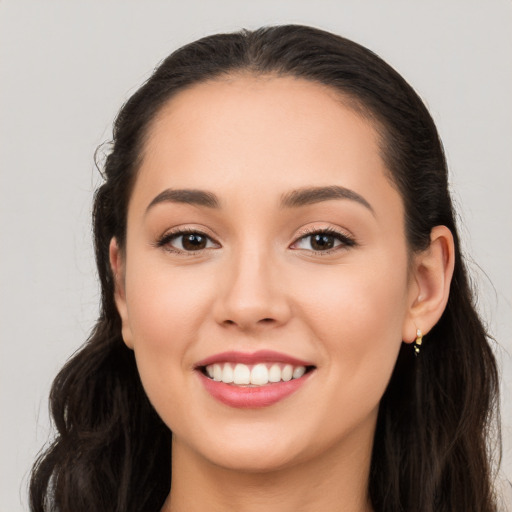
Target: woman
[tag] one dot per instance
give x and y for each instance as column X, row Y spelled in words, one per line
column 274, row 239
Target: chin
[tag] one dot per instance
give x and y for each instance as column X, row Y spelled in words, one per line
column 254, row 459
column 249, row 449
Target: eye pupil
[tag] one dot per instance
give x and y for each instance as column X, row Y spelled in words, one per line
column 194, row 242
column 321, row 242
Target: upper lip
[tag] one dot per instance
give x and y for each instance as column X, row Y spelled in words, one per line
column 261, row 356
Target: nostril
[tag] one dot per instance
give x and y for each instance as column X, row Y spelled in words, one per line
column 244, row 325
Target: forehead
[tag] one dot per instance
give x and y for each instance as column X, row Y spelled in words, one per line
column 241, row 101
column 265, row 134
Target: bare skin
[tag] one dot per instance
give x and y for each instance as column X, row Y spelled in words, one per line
column 258, row 279
column 312, row 487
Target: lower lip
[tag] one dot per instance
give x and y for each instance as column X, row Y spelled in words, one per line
column 251, row 397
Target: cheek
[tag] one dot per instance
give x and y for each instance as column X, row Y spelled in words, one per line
column 356, row 322
column 163, row 301
column 165, row 309
column 356, row 314
column 359, row 300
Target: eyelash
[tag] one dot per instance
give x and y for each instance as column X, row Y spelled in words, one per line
column 165, row 240
column 345, row 240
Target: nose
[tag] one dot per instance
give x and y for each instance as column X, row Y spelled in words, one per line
column 252, row 293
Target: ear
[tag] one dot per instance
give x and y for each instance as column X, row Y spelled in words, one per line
column 430, row 283
column 118, row 270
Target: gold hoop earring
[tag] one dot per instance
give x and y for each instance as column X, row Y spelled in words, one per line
column 417, row 342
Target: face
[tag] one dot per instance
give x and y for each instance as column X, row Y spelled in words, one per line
column 265, row 243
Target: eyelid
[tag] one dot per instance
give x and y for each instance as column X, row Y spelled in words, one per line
column 347, row 240
column 164, row 240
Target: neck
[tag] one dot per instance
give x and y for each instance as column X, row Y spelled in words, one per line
column 337, row 481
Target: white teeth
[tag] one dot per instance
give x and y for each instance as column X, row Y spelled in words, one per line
column 242, row 374
column 274, row 374
column 287, row 373
column 217, row 372
column 298, row 372
column 227, row 374
column 257, row 375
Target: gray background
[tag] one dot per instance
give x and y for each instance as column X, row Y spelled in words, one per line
column 65, row 69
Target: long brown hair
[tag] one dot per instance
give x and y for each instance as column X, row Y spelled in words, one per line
column 431, row 449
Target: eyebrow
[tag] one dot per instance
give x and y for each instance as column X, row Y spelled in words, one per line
column 292, row 199
column 186, row 196
column 312, row 195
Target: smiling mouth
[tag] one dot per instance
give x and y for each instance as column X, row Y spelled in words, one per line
column 254, row 375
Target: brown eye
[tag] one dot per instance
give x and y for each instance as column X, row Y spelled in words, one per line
column 322, row 242
column 188, row 241
column 193, row 242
